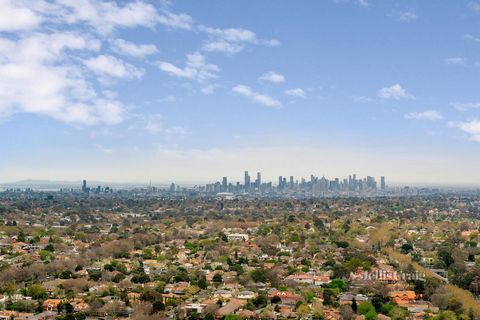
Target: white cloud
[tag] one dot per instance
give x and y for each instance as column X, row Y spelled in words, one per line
column 404, row 16
column 456, row 61
column 103, row 15
column 131, row 49
column 256, row 97
column 231, row 34
column 425, row 115
column 66, row 61
column 271, row 43
column 176, row 21
column 196, row 68
column 62, row 91
column 106, row 65
column 297, row 92
column 103, row 149
column 273, row 77
column 471, row 38
column 232, row 40
column 475, row 6
column 169, row 98
column 361, row 3
column 472, row 128
column 16, row 18
column 154, row 124
column 106, row 16
column 464, row 106
column 363, row 99
column 223, row 46
column 395, row 92
column 209, row 89
column 176, row 131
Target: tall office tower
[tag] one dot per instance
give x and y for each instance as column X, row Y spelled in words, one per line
column 371, row 184
column 84, row 186
column 224, row 184
column 291, row 182
column 354, row 183
column 172, row 187
column 382, row 183
column 280, row 182
column 247, row 181
column 259, row 179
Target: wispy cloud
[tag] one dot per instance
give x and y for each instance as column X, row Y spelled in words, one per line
column 196, row 68
column 296, row 92
column 363, row 99
column 103, row 149
column 170, row 98
column 176, row 21
column 232, row 40
column 124, row 47
column 430, row 115
column 272, row 77
column 471, row 38
column 176, row 131
column 456, row 61
column 260, row 98
column 465, row 106
column 106, row 16
column 404, row 16
column 394, row 92
column 472, row 128
column 208, row 89
column 361, row 3
column 106, row 65
column 474, row 5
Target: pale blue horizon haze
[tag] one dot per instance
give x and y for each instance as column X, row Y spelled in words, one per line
column 191, row 91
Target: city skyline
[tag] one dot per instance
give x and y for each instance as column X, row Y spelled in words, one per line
column 133, row 91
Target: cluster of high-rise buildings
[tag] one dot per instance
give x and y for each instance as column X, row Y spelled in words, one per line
column 290, row 186
column 87, row 190
column 315, row 186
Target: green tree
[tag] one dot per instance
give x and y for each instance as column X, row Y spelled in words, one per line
column 158, row 306
column 202, row 283
column 398, row 313
column 258, row 275
column 365, row 307
column 37, row 292
column 371, row 315
column 217, row 278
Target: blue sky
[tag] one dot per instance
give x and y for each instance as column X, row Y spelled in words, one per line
column 190, row 91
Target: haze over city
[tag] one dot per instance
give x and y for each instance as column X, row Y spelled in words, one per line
column 137, row 91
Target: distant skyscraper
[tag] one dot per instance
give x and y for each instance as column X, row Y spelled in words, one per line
column 259, row 179
column 382, row 183
column 247, row 181
column 84, row 186
column 224, row 184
